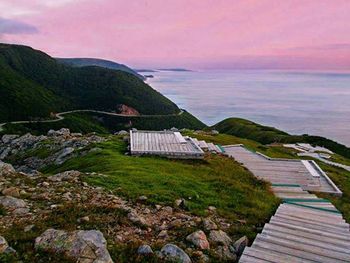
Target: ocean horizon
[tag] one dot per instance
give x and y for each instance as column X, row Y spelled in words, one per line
column 298, row 102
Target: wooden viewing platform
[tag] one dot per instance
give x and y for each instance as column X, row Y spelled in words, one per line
column 305, row 228
column 164, row 143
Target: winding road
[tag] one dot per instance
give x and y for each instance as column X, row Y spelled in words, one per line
column 60, row 116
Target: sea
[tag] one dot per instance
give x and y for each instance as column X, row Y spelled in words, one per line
column 298, row 102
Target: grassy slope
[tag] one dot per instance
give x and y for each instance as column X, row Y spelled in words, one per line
column 265, row 135
column 216, row 181
column 33, row 84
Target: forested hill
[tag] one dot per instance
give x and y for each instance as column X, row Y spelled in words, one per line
column 83, row 62
column 33, row 84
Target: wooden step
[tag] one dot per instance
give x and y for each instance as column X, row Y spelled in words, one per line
column 310, row 225
column 302, row 240
column 313, row 217
column 341, row 236
column 332, row 256
column 262, row 244
column 307, row 210
column 273, row 256
column 336, row 225
column 330, row 238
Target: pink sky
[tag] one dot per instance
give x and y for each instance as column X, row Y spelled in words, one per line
column 186, row 33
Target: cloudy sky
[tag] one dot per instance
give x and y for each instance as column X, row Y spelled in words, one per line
column 198, row 34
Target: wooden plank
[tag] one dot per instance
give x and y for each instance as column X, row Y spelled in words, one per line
column 301, row 240
column 334, row 255
column 273, row 256
column 330, row 238
column 309, row 255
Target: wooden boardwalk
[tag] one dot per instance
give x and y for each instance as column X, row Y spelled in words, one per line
column 307, row 174
column 305, row 228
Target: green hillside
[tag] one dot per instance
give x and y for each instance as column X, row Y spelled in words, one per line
column 33, row 84
column 83, row 62
column 266, row 135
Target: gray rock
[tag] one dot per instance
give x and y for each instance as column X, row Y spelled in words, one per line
column 224, row 253
column 7, row 138
column 199, row 239
column 81, row 246
column 209, row 224
column 3, row 244
column 63, row 154
column 6, row 169
column 240, row 245
column 122, row 132
column 65, row 176
column 144, row 250
column 10, row 202
column 4, row 153
column 61, row 132
column 142, row 198
column 219, row 237
column 180, row 203
column 172, row 252
column 135, row 218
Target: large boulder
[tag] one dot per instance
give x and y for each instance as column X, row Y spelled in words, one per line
column 171, row 252
column 6, row 169
column 15, row 205
column 199, row 239
column 81, row 246
column 219, row 237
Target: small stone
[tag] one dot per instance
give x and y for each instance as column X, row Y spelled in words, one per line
column 224, row 253
column 212, row 208
column 28, row 228
column 3, row 244
column 240, row 245
column 11, row 191
column 173, row 253
column 46, row 184
column 180, row 203
column 85, row 219
column 142, row 198
column 209, row 224
column 135, row 218
column 158, row 207
column 163, row 234
column 199, row 239
column 219, row 237
column 168, row 209
column 144, row 250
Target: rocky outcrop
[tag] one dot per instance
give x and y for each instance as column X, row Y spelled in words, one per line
column 82, row 246
column 171, row 252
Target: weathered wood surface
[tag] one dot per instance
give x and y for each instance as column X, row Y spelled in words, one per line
column 305, row 228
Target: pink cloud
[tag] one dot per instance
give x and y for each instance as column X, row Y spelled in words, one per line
column 189, row 32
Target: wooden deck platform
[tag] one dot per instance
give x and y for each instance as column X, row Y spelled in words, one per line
column 164, row 143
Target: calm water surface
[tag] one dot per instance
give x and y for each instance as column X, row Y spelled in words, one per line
column 316, row 103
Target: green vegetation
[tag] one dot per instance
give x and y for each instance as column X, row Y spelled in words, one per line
column 216, row 181
column 266, row 135
column 103, row 124
column 32, row 85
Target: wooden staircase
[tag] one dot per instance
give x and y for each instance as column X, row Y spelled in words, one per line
column 305, row 228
